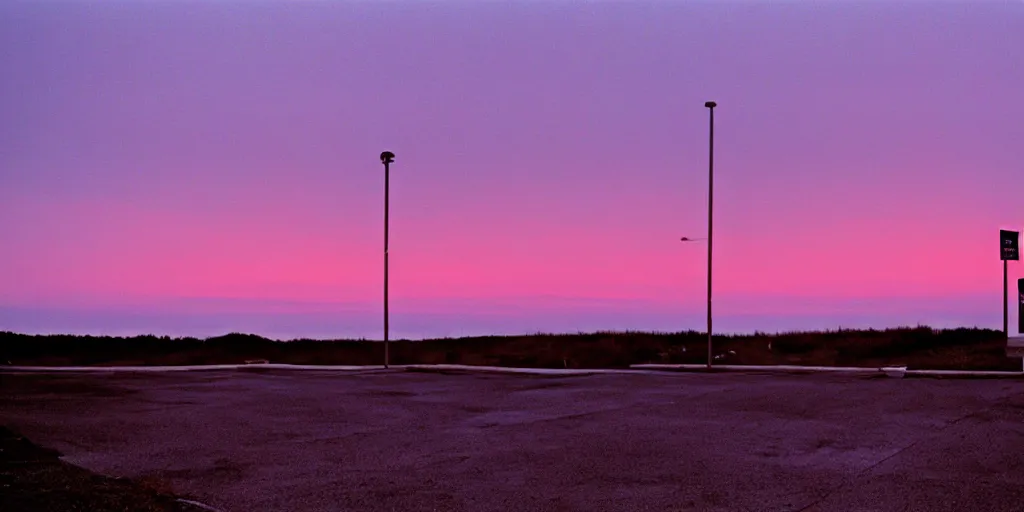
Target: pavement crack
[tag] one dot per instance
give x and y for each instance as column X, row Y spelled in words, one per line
column 848, row 481
column 585, row 414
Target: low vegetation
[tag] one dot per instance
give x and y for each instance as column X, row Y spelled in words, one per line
column 914, row 347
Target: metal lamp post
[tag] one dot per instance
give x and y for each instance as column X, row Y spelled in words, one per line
column 386, row 158
column 710, row 105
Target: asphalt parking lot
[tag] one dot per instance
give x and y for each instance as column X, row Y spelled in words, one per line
column 275, row 440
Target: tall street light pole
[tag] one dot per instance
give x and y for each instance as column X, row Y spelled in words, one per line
column 386, row 158
column 710, row 105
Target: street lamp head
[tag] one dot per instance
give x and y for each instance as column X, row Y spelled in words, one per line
column 387, row 157
column 710, row 104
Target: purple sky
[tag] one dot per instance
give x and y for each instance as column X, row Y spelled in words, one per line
column 200, row 167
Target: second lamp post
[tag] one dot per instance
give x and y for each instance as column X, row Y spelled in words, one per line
column 710, row 105
column 386, row 158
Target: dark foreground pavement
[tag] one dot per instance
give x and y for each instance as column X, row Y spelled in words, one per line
column 401, row 441
column 33, row 478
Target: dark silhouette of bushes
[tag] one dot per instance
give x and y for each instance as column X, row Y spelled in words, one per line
column 918, row 347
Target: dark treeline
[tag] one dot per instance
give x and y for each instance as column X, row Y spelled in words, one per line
column 916, row 347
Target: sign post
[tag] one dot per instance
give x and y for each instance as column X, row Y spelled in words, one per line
column 1009, row 249
column 1020, row 307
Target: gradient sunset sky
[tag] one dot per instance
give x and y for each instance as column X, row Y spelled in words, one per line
column 195, row 168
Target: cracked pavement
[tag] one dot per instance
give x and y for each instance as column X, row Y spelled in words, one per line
column 283, row 440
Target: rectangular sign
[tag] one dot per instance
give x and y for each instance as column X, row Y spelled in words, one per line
column 1009, row 245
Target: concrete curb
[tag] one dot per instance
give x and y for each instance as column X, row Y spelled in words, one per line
column 895, row 372
column 509, row 369
column 965, row 374
column 738, row 367
column 192, row 368
column 313, row 367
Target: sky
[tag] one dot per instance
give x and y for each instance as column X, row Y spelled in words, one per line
column 202, row 167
